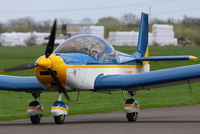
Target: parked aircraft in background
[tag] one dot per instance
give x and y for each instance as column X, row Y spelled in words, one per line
column 89, row 63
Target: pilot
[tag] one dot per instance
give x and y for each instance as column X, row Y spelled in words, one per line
column 94, row 54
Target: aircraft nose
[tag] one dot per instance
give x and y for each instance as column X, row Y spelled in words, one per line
column 44, row 62
column 54, row 63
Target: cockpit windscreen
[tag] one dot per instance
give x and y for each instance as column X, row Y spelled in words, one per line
column 88, row 44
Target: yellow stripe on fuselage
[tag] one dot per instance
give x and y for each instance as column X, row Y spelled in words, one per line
column 60, row 108
column 105, row 66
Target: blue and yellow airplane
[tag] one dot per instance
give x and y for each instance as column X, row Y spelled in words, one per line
column 88, row 63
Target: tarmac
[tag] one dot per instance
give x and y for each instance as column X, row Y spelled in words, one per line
column 178, row 120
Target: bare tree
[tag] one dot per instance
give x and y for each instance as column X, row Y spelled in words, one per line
column 86, row 21
column 65, row 21
column 159, row 21
column 45, row 26
column 26, row 21
column 26, row 24
column 2, row 28
column 129, row 19
column 191, row 21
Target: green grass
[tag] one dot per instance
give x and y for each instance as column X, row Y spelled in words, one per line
column 13, row 104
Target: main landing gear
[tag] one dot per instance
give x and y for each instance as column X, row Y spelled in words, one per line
column 59, row 110
column 35, row 110
column 131, row 108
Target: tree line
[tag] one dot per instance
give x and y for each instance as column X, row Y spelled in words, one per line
column 186, row 30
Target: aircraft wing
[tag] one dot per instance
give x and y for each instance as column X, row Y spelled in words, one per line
column 148, row 80
column 166, row 58
column 17, row 83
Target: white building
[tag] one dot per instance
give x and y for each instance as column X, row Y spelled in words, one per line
column 96, row 30
column 126, row 38
column 23, row 39
column 123, row 38
column 161, row 35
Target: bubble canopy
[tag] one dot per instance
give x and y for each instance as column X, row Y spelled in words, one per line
column 87, row 44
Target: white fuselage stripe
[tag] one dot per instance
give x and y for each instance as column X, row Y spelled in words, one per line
column 84, row 78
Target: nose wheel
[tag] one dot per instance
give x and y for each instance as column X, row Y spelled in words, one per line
column 59, row 110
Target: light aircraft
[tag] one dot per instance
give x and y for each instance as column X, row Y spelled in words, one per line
column 88, row 63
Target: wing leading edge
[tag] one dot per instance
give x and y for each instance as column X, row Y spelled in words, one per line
column 166, row 58
column 17, row 83
column 147, row 80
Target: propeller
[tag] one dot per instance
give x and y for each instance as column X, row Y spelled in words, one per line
column 50, row 45
column 20, row 67
column 48, row 52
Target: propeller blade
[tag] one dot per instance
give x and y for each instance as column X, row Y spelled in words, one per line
column 20, row 67
column 51, row 42
column 61, row 88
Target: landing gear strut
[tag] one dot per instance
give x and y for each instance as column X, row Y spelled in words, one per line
column 131, row 107
column 35, row 109
column 59, row 110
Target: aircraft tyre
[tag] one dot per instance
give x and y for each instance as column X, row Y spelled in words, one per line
column 59, row 119
column 132, row 117
column 35, row 119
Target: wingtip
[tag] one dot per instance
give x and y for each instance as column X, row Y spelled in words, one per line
column 193, row 58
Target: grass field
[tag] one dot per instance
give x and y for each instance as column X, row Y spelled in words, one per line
column 13, row 104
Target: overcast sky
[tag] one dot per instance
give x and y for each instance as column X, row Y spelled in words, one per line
column 94, row 9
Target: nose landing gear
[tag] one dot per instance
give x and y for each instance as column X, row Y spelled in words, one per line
column 59, row 110
column 131, row 108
